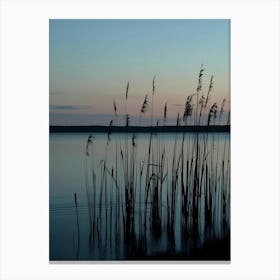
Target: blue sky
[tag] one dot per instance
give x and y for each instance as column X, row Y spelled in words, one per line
column 92, row 60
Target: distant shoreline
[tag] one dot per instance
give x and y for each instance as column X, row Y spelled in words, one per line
column 138, row 129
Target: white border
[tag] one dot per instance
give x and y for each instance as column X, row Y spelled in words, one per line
column 255, row 138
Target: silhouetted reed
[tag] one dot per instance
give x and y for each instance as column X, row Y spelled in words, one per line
column 142, row 197
column 165, row 113
column 78, row 227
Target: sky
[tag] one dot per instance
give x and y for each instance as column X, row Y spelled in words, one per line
column 91, row 61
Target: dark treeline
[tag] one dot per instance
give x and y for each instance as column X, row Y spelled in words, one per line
column 139, row 129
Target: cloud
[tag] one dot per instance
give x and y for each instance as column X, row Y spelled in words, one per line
column 69, row 107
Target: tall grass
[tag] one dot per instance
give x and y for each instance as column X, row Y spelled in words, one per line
column 145, row 198
column 78, row 227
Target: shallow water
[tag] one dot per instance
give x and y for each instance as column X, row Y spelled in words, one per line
column 71, row 172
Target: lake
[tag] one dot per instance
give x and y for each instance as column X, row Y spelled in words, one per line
column 119, row 196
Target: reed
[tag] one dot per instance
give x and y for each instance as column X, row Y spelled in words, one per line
column 78, row 226
column 145, row 197
column 90, row 178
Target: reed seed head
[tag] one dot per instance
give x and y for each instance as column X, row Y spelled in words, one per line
column 126, row 92
column 145, row 105
column 165, row 112
column 188, row 108
column 212, row 112
column 223, row 105
column 115, row 106
column 201, row 101
column 199, row 86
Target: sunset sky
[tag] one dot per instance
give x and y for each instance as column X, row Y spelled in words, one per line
column 92, row 60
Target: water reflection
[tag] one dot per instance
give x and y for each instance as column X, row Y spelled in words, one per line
column 140, row 196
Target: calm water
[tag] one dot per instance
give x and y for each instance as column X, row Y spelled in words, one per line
column 74, row 235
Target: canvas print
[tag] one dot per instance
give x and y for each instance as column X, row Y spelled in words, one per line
column 139, row 143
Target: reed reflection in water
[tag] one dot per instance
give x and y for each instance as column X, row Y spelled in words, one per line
column 163, row 196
